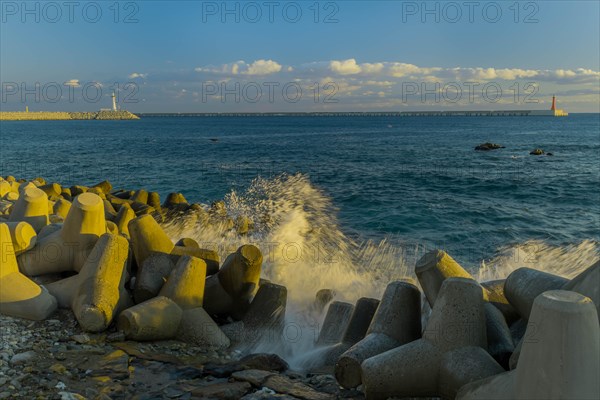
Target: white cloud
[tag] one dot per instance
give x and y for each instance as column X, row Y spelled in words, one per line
column 137, row 75
column 346, row 67
column 378, row 83
column 580, row 75
column 372, row 68
column 263, row 67
column 351, row 67
column 72, row 82
column 257, row 68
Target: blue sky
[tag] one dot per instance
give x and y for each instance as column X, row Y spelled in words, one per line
column 193, row 56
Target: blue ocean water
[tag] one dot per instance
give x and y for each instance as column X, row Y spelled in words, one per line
column 411, row 180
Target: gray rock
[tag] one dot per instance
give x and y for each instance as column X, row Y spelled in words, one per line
column 255, row 377
column 23, row 358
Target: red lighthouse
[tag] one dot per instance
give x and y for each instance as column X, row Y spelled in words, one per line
column 553, row 108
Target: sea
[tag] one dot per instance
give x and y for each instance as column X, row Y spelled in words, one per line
column 348, row 203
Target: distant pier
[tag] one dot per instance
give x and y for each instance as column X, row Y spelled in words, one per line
column 65, row 116
column 509, row 113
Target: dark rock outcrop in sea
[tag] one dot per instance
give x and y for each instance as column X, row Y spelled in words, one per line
column 488, row 146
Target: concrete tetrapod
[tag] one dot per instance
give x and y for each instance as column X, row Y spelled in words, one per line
column 523, row 285
column 111, row 227
column 417, row 369
column 19, row 296
column 588, row 284
column 397, row 321
column 152, row 276
column 156, row 319
column 335, row 323
column 147, row 237
column 359, row 323
column 51, row 189
column 230, row 290
column 199, row 329
column 109, row 211
column 266, row 315
column 499, row 338
column 187, row 242
column 560, row 359
column 105, row 186
column 436, row 266
column 463, row 365
column 185, row 283
column 433, row 269
column 124, row 216
column 322, row 298
column 32, row 207
column 61, row 208
column 5, row 188
column 68, row 248
column 23, row 236
column 495, row 293
column 210, row 257
column 98, row 292
column 154, row 202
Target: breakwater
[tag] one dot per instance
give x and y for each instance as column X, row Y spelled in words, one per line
column 112, row 258
column 62, row 116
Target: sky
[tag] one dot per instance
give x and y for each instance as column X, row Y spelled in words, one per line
column 298, row 56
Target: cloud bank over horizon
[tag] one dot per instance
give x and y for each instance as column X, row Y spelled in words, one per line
column 266, row 85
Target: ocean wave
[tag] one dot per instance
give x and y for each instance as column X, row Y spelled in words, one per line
column 305, row 249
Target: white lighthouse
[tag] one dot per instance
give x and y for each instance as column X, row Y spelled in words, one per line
column 114, row 101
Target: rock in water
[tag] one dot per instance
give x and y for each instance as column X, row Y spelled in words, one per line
column 488, row 146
